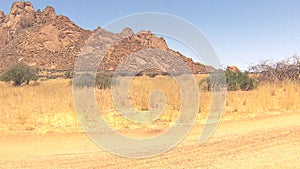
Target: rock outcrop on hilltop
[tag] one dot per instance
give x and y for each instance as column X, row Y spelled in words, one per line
column 39, row 38
column 49, row 41
column 234, row 69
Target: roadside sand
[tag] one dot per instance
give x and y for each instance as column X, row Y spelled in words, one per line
column 264, row 142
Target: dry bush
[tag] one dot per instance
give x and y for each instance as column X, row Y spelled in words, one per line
column 277, row 72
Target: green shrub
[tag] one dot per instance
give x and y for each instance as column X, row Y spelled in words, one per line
column 103, row 81
column 83, row 80
column 69, row 75
column 234, row 81
column 88, row 80
column 19, row 74
column 239, row 81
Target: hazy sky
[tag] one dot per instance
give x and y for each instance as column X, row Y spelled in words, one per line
column 242, row 32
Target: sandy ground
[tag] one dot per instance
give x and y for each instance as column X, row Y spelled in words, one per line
column 264, row 142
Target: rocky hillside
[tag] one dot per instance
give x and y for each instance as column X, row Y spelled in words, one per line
column 39, row 38
column 49, row 41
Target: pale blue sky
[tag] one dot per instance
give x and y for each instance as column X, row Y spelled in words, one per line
column 241, row 31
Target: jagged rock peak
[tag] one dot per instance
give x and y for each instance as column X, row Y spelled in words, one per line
column 19, row 8
column 149, row 37
column 144, row 32
column 21, row 15
column 49, row 11
column 2, row 15
column 25, row 10
column 98, row 29
column 126, row 32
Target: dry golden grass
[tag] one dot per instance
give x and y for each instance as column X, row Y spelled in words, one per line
column 266, row 99
column 49, row 107
column 43, row 108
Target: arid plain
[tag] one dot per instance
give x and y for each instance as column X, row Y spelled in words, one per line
column 259, row 128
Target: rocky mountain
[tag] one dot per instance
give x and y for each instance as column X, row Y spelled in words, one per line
column 39, row 38
column 49, row 41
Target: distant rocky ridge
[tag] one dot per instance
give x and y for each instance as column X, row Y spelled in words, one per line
column 49, row 41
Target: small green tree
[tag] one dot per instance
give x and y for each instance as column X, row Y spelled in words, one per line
column 234, row 81
column 19, row 74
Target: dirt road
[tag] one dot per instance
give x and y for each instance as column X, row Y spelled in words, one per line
column 265, row 142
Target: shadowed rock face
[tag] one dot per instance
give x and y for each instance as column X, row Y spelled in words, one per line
column 49, row 41
column 2, row 16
